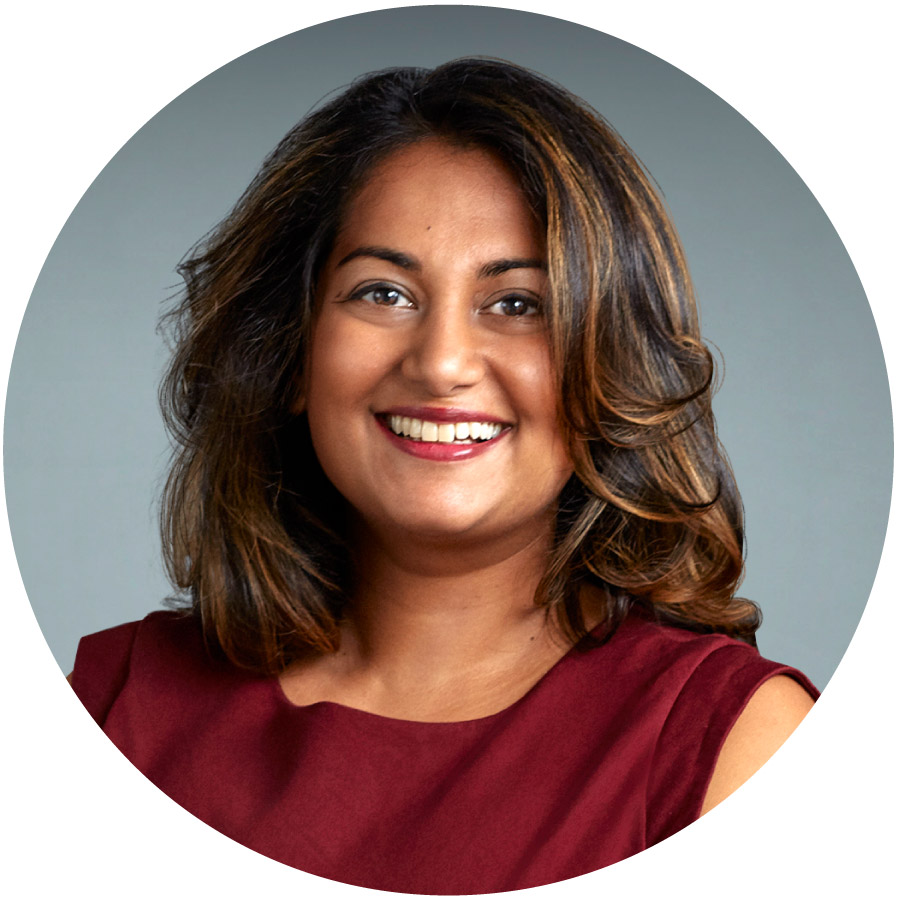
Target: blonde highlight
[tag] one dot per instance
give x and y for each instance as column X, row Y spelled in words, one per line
column 253, row 533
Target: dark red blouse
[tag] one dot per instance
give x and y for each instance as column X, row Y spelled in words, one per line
column 609, row 753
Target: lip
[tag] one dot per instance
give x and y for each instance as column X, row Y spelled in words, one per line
column 441, row 414
column 434, row 450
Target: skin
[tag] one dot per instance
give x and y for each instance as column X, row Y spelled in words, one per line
column 435, row 633
column 767, row 721
column 415, row 311
column 437, row 333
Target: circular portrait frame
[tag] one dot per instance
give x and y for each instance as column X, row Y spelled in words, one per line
column 32, row 418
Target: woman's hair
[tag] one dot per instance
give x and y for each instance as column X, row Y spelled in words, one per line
column 253, row 531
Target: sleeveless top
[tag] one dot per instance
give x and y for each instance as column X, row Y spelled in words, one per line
column 609, row 753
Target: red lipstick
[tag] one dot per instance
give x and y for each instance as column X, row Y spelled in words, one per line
column 437, row 451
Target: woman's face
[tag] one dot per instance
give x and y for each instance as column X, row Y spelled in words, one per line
column 429, row 389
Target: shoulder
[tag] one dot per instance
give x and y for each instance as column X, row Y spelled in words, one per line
column 160, row 630
column 690, row 691
column 726, row 680
column 106, row 660
column 686, row 689
column 772, row 713
column 683, row 661
column 691, row 659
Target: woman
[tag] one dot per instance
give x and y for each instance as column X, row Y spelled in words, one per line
column 459, row 541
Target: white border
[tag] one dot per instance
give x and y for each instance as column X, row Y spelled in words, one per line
column 80, row 78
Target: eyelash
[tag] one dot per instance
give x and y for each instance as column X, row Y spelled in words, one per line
column 365, row 290
column 532, row 305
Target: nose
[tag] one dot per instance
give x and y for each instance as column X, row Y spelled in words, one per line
column 444, row 355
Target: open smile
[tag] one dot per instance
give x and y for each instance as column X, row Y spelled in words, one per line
column 443, row 432
column 446, row 435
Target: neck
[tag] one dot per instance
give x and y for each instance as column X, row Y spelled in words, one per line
column 444, row 608
column 437, row 632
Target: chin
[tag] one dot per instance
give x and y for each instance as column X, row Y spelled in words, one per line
column 459, row 528
column 440, row 525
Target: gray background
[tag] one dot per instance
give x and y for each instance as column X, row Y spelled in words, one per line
column 804, row 410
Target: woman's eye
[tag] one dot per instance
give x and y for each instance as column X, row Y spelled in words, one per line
column 382, row 295
column 516, row 306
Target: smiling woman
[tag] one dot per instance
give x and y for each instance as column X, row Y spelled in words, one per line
column 429, row 300
column 458, row 544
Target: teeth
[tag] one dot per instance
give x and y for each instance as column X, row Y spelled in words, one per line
column 443, row 432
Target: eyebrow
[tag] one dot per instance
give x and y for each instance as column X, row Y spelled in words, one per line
column 402, row 260
column 499, row 266
column 405, row 261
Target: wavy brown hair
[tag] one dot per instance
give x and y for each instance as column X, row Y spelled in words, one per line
column 253, row 531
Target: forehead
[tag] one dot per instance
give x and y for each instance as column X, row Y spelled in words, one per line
column 433, row 191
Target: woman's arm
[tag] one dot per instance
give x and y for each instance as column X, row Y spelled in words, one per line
column 767, row 721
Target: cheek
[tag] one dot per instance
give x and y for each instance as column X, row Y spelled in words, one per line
column 338, row 369
column 343, row 374
column 327, row 384
column 531, row 381
column 549, row 403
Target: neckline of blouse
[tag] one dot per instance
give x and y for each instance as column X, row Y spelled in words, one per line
column 333, row 708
